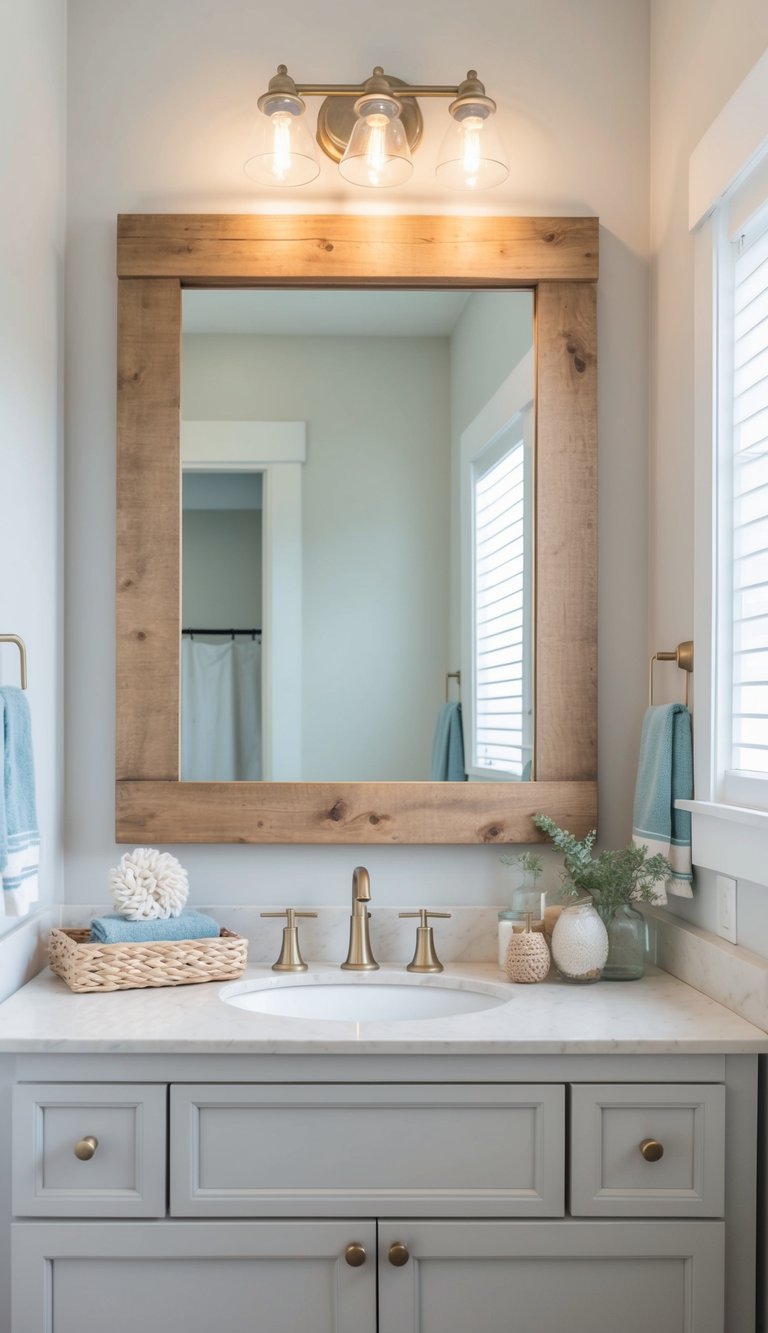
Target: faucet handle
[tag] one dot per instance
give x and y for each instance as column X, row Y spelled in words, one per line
column 425, row 959
column 424, row 912
column 290, row 959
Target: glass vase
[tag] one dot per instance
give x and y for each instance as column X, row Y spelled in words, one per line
column 626, row 944
column 579, row 943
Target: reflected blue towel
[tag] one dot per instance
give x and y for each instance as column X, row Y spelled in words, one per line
column 191, row 925
column 665, row 775
column 448, row 746
column 19, row 836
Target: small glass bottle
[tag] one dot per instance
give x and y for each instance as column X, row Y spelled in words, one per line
column 508, row 919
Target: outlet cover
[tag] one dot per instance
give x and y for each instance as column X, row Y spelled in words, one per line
column 726, row 907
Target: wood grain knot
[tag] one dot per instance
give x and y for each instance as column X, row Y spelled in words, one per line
column 551, row 237
column 141, row 635
column 374, row 819
column 328, row 246
column 492, row 833
column 129, row 378
column 579, row 362
column 337, row 812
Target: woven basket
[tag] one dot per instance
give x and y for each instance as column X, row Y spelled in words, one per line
column 104, row 967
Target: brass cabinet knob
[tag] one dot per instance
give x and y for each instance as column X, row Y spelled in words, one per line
column 652, row 1150
column 85, row 1148
column 355, row 1254
column 399, row 1254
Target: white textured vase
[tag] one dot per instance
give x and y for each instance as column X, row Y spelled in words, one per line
column 580, row 943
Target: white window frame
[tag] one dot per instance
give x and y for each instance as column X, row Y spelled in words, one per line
column 730, row 822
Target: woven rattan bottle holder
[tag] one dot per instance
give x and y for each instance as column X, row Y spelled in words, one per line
column 528, row 958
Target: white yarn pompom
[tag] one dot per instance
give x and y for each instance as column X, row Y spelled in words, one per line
column 148, row 885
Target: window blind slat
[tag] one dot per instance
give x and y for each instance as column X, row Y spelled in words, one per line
column 749, row 660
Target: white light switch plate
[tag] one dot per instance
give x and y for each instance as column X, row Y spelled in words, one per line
column 726, row 907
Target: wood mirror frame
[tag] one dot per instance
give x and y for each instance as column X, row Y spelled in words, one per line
column 157, row 256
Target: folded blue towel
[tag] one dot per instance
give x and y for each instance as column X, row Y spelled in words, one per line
column 19, row 836
column 191, row 925
column 665, row 775
column 448, row 746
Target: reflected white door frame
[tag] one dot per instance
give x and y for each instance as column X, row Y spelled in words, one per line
column 277, row 449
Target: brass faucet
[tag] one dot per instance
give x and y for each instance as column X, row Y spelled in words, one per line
column 360, row 955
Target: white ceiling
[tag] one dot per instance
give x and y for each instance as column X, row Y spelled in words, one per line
column 347, row 314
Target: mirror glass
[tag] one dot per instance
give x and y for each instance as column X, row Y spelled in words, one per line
column 358, row 535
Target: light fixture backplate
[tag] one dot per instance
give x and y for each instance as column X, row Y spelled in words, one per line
column 337, row 117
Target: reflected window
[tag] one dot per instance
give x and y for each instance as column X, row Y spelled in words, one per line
column 502, row 702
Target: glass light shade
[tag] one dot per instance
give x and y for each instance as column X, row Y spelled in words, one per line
column 377, row 154
column 472, row 156
column 284, row 151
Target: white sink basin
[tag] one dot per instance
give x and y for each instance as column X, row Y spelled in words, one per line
column 346, row 999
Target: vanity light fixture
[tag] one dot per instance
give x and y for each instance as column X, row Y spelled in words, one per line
column 371, row 129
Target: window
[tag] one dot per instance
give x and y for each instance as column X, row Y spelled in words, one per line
column 742, row 511
column 728, row 212
column 749, row 478
column 502, row 740
column 497, row 516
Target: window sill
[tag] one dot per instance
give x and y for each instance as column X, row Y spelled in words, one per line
column 729, row 839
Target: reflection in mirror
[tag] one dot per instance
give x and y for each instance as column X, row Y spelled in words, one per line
column 357, row 535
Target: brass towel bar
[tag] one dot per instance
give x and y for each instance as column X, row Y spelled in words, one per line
column 14, row 638
column 683, row 656
column 452, row 675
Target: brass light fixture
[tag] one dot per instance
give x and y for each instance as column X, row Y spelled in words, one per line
column 371, row 130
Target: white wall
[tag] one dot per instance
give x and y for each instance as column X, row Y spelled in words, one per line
column 161, row 98
column 699, row 56
column 375, row 522
column 32, row 142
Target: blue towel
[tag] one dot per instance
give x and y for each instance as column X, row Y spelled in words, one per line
column 448, row 746
column 665, row 775
column 191, row 925
column 19, row 836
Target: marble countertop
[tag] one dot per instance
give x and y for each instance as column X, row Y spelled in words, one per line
column 656, row 1015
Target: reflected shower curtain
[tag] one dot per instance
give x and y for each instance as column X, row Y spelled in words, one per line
column 220, row 711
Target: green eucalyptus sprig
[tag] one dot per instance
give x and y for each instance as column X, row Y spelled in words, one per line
column 611, row 878
column 530, row 863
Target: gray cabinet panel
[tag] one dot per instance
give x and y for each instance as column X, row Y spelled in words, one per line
column 609, row 1175
column 125, row 1177
column 274, row 1277
column 434, row 1149
column 548, row 1277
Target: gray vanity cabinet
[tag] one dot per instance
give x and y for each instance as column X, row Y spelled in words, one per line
column 415, row 1198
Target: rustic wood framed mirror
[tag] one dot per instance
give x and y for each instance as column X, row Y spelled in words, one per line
column 159, row 256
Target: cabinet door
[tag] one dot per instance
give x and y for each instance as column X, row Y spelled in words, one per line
column 177, row 1277
column 547, row 1277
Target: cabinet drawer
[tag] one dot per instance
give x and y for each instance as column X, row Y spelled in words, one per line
column 611, row 1176
column 376, row 1150
column 124, row 1176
